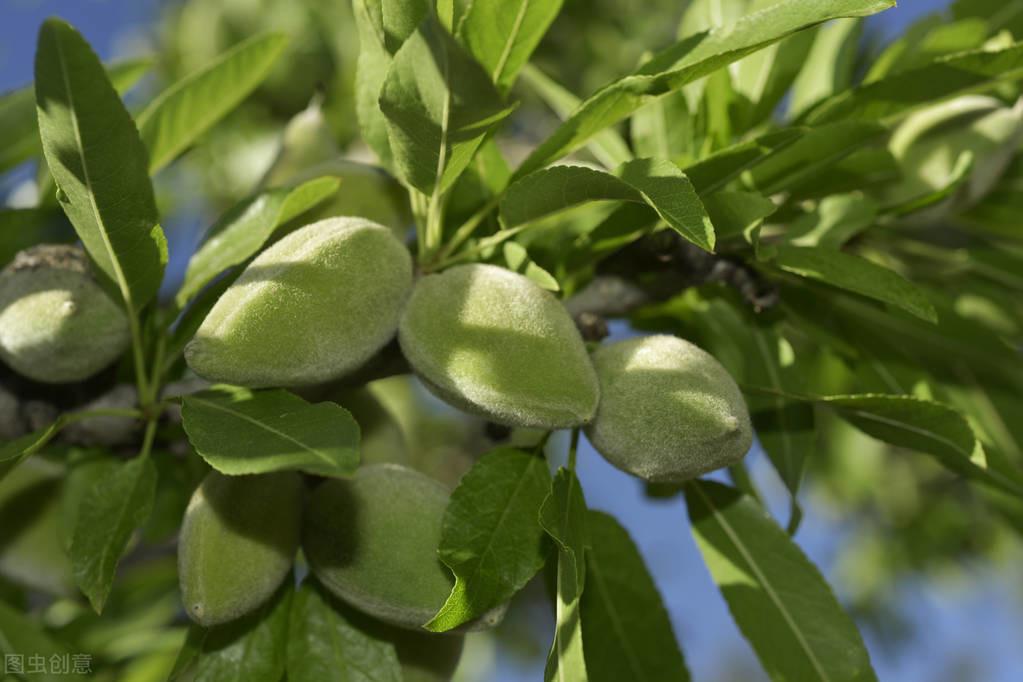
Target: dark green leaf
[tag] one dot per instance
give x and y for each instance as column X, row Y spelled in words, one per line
column 99, row 163
column 856, row 274
column 439, row 105
column 777, row 597
column 21, row 228
column 239, row 431
column 516, row 258
column 501, row 34
column 13, row 453
column 108, row 515
column 324, row 645
column 563, row 517
column 715, row 171
column 243, row 230
column 686, row 61
column 626, row 631
column 190, row 107
column 490, row 538
column 734, row 213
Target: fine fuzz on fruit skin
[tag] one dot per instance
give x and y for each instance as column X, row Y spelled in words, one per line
column 311, row 308
column 238, row 541
column 668, row 411
column 56, row 324
column 491, row 342
column 372, row 541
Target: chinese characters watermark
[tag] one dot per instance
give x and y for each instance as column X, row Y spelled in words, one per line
column 56, row 664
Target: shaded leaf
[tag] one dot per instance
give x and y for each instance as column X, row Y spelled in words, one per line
column 517, row 259
column 239, row 431
column 779, row 599
column 14, row 452
column 108, row 515
column 734, row 213
column 490, row 538
column 21, row 228
column 20, row 637
column 717, row 170
column 183, row 112
column 99, row 163
column 626, row 630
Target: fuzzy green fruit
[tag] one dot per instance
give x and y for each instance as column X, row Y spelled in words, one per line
column 491, row 342
column 372, row 541
column 56, row 324
column 668, row 410
column 238, row 541
column 311, row 308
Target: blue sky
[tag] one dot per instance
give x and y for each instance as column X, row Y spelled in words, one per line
column 978, row 621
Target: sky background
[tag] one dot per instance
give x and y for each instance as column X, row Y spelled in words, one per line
column 973, row 624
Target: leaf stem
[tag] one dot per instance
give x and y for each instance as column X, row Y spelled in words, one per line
column 147, row 440
column 469, row 226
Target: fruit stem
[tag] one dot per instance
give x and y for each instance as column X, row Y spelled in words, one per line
column 573, row 448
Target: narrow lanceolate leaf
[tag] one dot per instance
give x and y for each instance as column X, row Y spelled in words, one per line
column 714, row 172
column 239, row 431
column 243, row 230
column 190, row 107
column 109, row 513
column 856, row 274
column 99, row 164
column 439, row 105
column 607, row 146
column 517, row 259
column 14, row 452
column 924, row 426
column 688, row 60
column 625, row 628
column 563, row 517
column 323, row 644
column 18, row 113
column 490, row 538
column 829, row 66
column 657, row 183
column 501, row 34
column 252, row 648
column 779, row 599
column 897, row 95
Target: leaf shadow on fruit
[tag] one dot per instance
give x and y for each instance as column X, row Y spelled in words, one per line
column 244, row 513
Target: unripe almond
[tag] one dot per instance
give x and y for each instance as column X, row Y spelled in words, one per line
column 491, row 342
column 313, row 307
column 668, row 410
column 56, row 324
column 372, row 541
column 238, row 541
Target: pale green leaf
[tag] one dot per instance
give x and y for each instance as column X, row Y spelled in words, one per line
column 491, row 539
column 108, row 516
column 828, row 69
column 856, row 274
column 439, row 105
column 239, row 431
column 516, row 258
column 662, row 129
column 834, row 221
column 193, row 105
column 693, row 57
column 21, row 636
column 371, row 68
column 779, row 599
column 243, row 230
column 626, row 631
column 502, row 34
column 100, row 165
column 931, row 37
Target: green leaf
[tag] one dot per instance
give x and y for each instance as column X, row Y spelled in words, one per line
column 14, row 452
column 714, row 172
column 662, row 130
column 99, row 163
column 659, row 184
column 439, row 105
column 184, row 111
column 931, row 37
column 239, row 431
column 490, row 538
column 21, row 228
column 21, row 636
column 734, row 213
column 324, row 645
column 829, row 67
column 502, row 34
column 516, row 258
column 563, row 517
column 625, row 628
column 856, row 274
column 777, row 597
column 18, row 113
column 887, row 99
column 252, row 648
column 243, row 230
column 686, row 61
column 108, row 515
column 371, row 68
column 834, row 221
column 607, row 146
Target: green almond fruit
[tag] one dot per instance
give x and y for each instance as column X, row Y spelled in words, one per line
column 311, row 308
column 237, row 544
column 56, row 324
column 491, row 342
column 668, row 411
column 372, row 541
